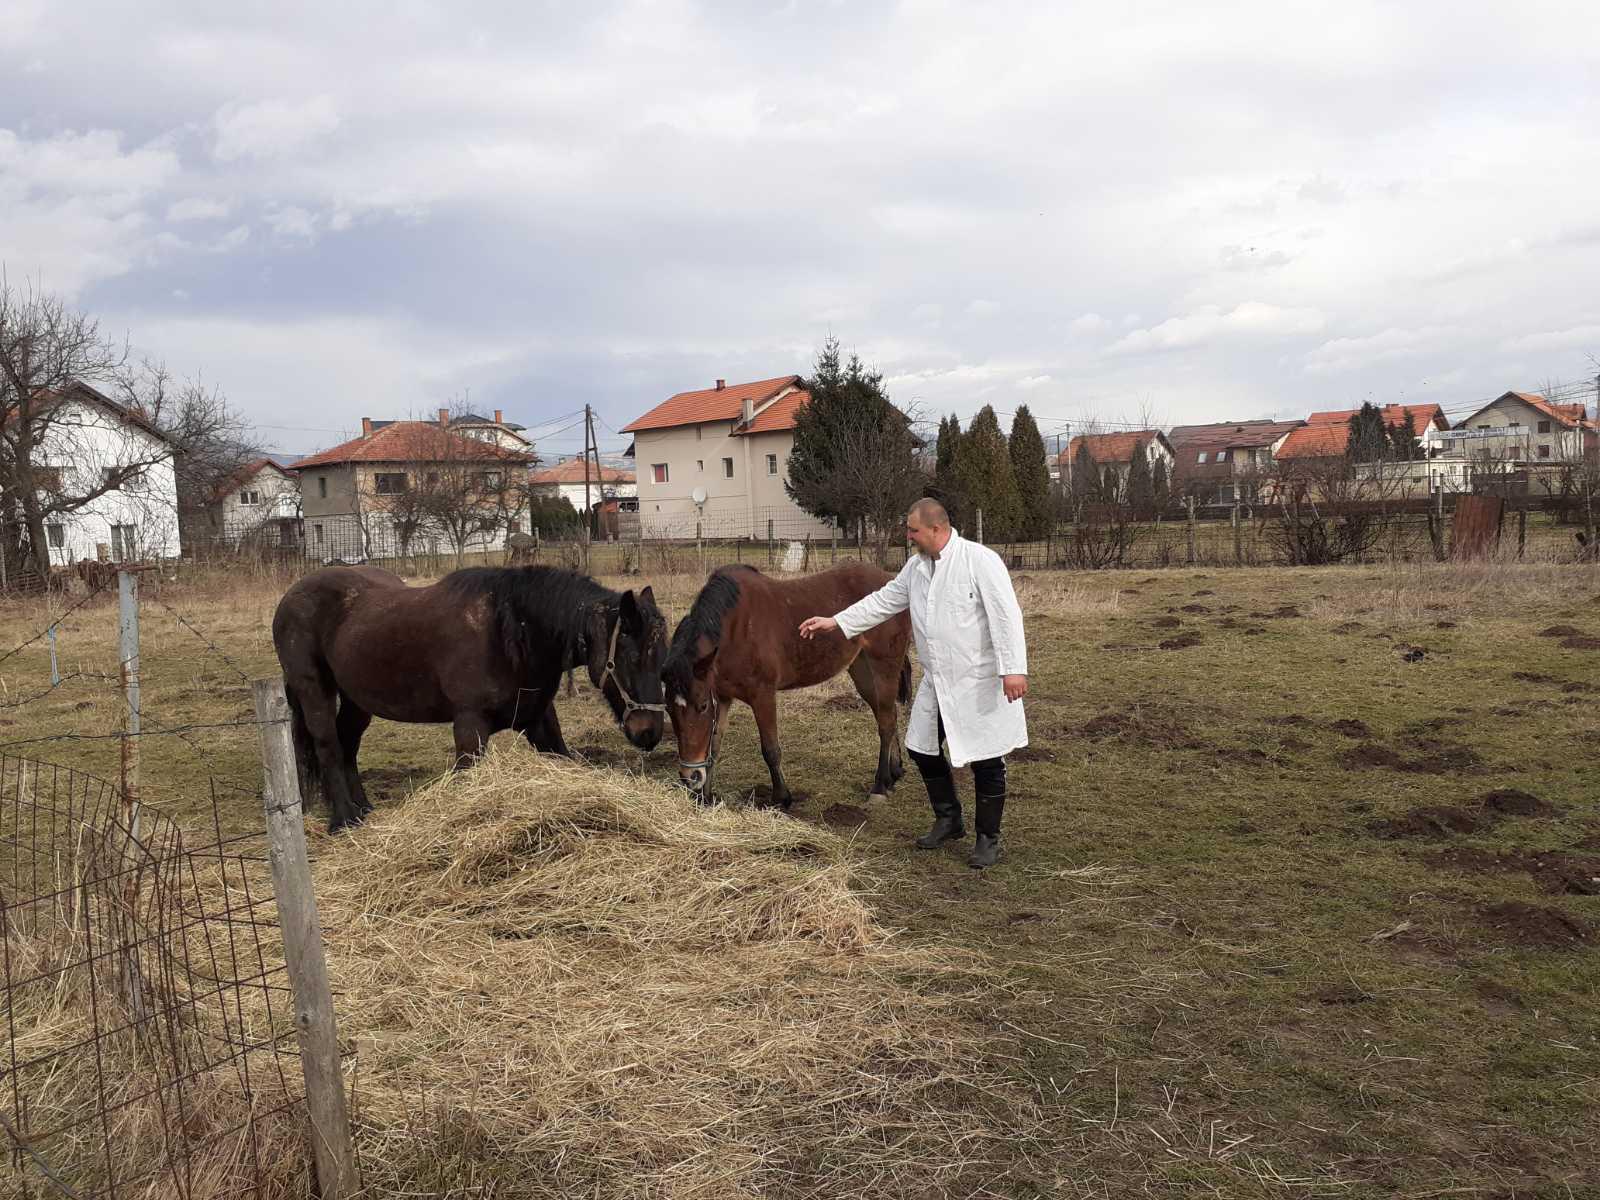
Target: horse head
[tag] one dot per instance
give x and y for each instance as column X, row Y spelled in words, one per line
column 690, row 676
column 626, row 646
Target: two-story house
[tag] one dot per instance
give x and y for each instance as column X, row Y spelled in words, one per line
column 1521, row 432
column 565, row 481
column 1116, row 451
column 508, row 435
column 259, row 503
column 403, row 486
column 728, row 445
column 1226, row 461
column 107, row 473
column 1324, row 440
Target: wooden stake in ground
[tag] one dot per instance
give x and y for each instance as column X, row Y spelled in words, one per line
column 302, row 946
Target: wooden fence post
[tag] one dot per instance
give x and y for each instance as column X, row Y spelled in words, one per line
column 302, row 948
column 1191, row 530
column 1238, row 543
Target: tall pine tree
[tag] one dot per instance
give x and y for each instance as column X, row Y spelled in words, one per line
column 946, row 472
column 1369, row 438
column 1141, row 494
column 1085, row 482
column 1032, row 474
column 1160, row 486
column 986, row 479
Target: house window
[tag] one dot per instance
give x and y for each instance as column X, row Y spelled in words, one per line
column 1483, row 426
column 699, row 433
column 658, row 472
column 317, row 529
column 433, row 479
column 1544, row 451
column 727, row 468
column 57, row 535
column 700, row 465
column 489, row 480
column 1202, row 458
column 389, row 483
column 108, row 478
column 1544, row 426
column 772, row 464
column 322, row 489
column 1222, row 456
column 249, row 497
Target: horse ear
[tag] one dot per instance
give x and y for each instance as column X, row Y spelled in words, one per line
column 628, row 611
column 647, row 598
column 704, row 654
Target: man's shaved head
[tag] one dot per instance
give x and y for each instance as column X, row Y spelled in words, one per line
column 929, row 511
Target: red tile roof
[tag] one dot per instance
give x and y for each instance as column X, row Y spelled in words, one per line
column 711, row 404
column 1574, row 416
column 1226, row 435
column 411, row 441
column 1108, row 447
column 245, row 474
column 572, row 472
column 1328, row 433
column 779, row 415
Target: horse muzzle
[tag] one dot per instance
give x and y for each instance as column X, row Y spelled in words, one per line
column 643, row 729
column 696, row 777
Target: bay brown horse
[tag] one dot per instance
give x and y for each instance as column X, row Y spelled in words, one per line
column 484, row 649
column 741, row 641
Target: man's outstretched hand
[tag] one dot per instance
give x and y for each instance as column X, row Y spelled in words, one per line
column 812, row 626
column 1016, row 686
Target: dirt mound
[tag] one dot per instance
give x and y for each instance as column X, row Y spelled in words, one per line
column 1349, row 627
column 1555, row 871
column 1561, row 631
column 1428, row 821
column 1205, row 592
column 1197, row 609
column 1437, row 758
column 843, row 703
column 1580, row 643
column 1032, row 754
column 1282, row 612
column 1533, row 925
column 1252, row 630
column 1444, row 624
column 844, row 816
column 1513, row 802
column 1229, row 623
column 1166, row 622
column 1182, row 642
column 1149, row 727
column 1351, row 728
column 1533, row 677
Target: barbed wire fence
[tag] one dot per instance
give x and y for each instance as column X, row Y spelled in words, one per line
column 155, row 974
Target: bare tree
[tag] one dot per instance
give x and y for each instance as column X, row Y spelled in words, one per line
column 80, row 419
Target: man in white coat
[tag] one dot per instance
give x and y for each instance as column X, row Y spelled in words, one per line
column 968, row 629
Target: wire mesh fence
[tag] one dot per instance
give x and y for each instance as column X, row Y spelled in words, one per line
column 150, row 1031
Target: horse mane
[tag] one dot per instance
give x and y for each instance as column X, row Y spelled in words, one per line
column 716, row 600
column 536, row 609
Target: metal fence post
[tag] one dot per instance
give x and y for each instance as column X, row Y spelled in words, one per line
column 55, row 669
column 980, row 526
column 1191, row 530
column 128, row 651
column 302, row 947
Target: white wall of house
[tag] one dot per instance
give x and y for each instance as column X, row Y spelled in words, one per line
column 572, row 493
column 1510, row 430
column 268, row 495
column 743, row 491
column 136, row 521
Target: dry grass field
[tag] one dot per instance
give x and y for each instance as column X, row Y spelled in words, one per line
column 1302, row 895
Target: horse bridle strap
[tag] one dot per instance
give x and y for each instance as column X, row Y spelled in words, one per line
column 629, row 704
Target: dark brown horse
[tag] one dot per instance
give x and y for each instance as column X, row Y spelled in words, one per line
column 741, row 641
column 483, row 648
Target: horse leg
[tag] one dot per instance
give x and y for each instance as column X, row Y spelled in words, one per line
column 765, row 706
column 318, row 706
column 876, row 682
column 544, row 733
column 472, row 731
column 352, row 724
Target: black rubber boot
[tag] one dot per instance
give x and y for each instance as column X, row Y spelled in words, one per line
column 986, row 851
column 947, row 823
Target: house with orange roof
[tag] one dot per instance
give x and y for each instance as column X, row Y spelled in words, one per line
column 259, row 501
column 565, row 481
column 1324, row 440
column 1523, row 432
column 368, row 497
column 729, row 446
column 1117, row 451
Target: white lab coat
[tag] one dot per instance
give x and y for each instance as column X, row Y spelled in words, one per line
column 968, row 628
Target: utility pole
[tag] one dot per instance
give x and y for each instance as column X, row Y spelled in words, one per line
column 588, row 436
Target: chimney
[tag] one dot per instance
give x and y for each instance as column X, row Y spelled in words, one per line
column 366, row 427
column 444, row 416
column 721, row 383
column 498, row 419
column 747, row 411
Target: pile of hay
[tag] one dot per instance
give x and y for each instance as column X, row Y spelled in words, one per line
column 563, row 981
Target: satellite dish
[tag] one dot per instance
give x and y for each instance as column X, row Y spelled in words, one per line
column 698, row 496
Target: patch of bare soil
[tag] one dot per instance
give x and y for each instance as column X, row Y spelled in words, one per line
column 843, row 703
column 1444, row 624
column 1428, row 821
column 1205, row 592
column 1533, row 925
column 1436, row 758
column 1295, row 745
column 1410, row 653
column 1292, row 719
column 1248, row 756
column 1513, row 802
column 1579, row 689
column 1282, row 612
column 1229, row 623
column 1351, row 728
column 1555, row 871
column 1349, row 627
column 1343, row 994
column 1182, row 642
column 1194, row 608
column 1032, row 754
column 1580, row 643
column 844, row 816
column 1166, row 622
column 1561, row 631
column 1150, row 727
column 1533, row 677
column 1252, row 630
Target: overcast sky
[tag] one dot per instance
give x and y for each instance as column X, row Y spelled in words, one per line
column 1202, row 212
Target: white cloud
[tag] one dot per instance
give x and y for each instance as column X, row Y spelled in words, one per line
column 1029, row 383
column 1251, row 320
column 927, row 314
column 1578, row 337
column 291, row 222
column 1252, row 258
column 983, row 308
column 198, row 208
column 1354, row 353
column 1088, row 325
column 272, row 128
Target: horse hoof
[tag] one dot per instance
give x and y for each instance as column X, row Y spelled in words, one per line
column 877, row 795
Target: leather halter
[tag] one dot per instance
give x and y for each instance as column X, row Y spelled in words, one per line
column 629, row 704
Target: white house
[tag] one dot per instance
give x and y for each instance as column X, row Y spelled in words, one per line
column 260, row 500
column 88, row 437
column 565, row 481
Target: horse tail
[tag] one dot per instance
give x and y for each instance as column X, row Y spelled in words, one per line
column 305, row 755
column 905, row 680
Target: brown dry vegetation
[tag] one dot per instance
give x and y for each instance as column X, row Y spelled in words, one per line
column 1270, row 924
